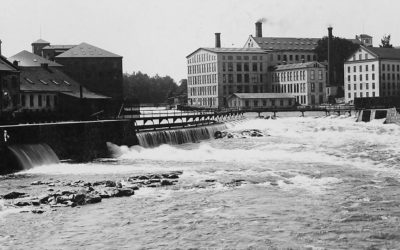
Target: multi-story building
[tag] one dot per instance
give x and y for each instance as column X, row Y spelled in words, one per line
column 9, row 86
column 97, row 69
column 305, row 81
column 372, row 72
column 216, row 73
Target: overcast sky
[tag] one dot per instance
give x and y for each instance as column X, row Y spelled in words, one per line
column 155, row 36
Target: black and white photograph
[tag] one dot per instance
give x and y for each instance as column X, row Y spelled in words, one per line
column 199, row 124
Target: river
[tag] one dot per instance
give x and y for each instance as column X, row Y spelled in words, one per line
column 310, row 183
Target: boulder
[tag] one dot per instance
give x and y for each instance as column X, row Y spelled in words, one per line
column 109, row 183
column 22, row 203
column 79, row 198
column 124, row 192
column 93, row 198
column 166, row 183
column 13, row 195
column 35, row 202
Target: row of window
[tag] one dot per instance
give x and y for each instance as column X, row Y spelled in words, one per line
column 242, row 78
column 360, row 56
column 242, row 67
column 202, row 68
column 41, row 100
column 245, row 58
column 227, row 90
column 297, row 75
column 206, row 90
column 296, row 88
column 208, row 102
column 290, row 57
column 262, row 103
column 361, row 86
column 386, row 67
column 202, row 58
column 351, row 96
column 204, row 79
column 360, row 77
column 46, row 82
column 360, row 68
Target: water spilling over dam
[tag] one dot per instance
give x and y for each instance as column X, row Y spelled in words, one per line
column 314, row 183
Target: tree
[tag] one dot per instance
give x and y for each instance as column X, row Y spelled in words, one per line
column 342, row 50
column 385, row 42
column 146, row 89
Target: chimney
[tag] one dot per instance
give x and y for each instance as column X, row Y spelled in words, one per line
column 217, row 40
column 258, row 29
column 330, row 57
column 15, row 63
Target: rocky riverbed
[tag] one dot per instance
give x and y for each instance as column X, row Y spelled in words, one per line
column 51, row 194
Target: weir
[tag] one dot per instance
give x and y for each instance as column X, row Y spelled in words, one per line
column 178, row 136
column 32, row 155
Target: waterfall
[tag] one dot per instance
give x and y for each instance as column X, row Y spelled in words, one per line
column 178, row 136
column 31, row 155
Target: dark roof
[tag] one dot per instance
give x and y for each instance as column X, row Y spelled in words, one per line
column 365, row 36
column 230, row 50
column 5, row 65
column 28, row 59
column 262, row 95
column 58, row 47
column 87, row 50
column 40, row 41
column 286, row 43
column 38, row 79
column 384, row 53
column 298, row 65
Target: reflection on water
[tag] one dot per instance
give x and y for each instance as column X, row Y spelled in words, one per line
column 314, row 183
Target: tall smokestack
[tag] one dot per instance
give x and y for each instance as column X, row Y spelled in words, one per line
column 258, row 29
column 217, row 40
column 330, row 57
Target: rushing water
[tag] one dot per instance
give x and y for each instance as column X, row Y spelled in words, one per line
column 313, row 183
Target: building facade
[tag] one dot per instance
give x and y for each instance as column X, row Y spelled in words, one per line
column 9, row 86
column 261, row 100
column 305, row 81
column 216, row 73
column 372, row 72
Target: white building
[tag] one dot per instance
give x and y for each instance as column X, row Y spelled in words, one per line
column 261, row 100
column 372, row 72
column 305, row 81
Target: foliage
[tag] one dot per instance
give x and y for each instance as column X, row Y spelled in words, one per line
column 342, row 50
column 385, row 42
column 146, row 89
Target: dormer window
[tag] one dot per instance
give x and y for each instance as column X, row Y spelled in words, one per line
column 55, row 82
column 44, row 82
column 29, row 80
column 66, row 82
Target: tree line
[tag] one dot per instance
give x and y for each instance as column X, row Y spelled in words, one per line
column 156, row 89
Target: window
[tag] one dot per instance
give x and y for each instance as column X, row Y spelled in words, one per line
column 238, row 67
column 255, row 103
column 354, row 77
column 348, row 78
column 373, row 67
column 238, row 57
column 312, row 87
column 360, row 68
column 31, row 100
column 383, row 67
column 361, row 94
column 366, row 77
column 361, row 78
column 349, row 87
column 366, row 67
column 239, row 78
column 308, row 58
column 320, row 87
column 319, row 74
column 254, row 66
column 273, row 102
column 230, row 66
column 29, row 80
column 361, row 85
column 348, row 69
column 223, row 66
column 367, row 86
column 373, row 94
column 297, row 57
column 47, row 101
column 312, row 76
column 281, row 102
column 40, row 100
column 290, row 57
column 354, row 69
column 373, row 76
column 246, row 78
column 349, row 95
column 355, row 86
column 373, row 85
column 42, row 81
column 246, row 67
column 230, row 78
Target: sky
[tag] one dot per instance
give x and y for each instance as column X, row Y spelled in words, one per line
column 155, row 36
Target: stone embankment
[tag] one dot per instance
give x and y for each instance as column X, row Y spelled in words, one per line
column 79, row 193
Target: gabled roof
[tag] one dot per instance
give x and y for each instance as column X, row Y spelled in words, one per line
column 40, row 41
column 230, row 50
column 384, row 53
column 38, row 79
column 286, row 43
column 6, row 65
column 262, row 95
column 299, row 65
column 28, row 59
column 86, row 50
